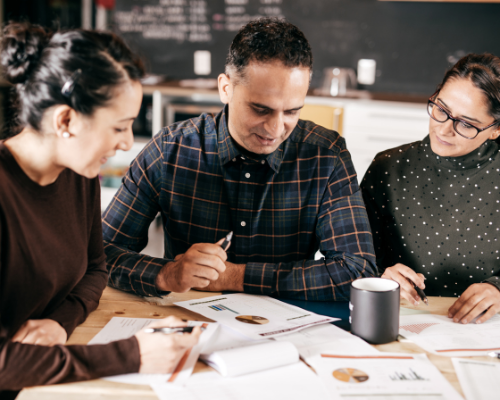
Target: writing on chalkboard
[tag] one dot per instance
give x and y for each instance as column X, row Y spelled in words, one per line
column 189, row 20
column 179, row 20
column 410, row 57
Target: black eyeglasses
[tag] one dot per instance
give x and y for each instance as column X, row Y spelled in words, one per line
column 461, row 127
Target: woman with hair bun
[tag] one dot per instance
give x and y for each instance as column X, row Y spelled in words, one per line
column 434, row 205
column 78, row 93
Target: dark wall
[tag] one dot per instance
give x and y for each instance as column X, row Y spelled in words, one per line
column 412, row 42
column 49, row 13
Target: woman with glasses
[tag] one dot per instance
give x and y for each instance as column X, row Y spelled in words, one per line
column 434, row 205
column 78, row 94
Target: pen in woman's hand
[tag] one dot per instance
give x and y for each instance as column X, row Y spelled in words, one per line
column 169, row 330
column 421, row 293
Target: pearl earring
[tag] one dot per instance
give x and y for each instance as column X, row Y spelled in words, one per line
column 65, row 135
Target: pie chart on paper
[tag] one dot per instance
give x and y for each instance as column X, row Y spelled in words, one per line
column 350, row 375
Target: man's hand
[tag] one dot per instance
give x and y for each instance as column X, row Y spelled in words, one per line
column 231, row 279
column 43, row 332
column 197, row 267
column 403, row 275
column 477, row 298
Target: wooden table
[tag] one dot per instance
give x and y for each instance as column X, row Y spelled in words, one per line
column 115, row 303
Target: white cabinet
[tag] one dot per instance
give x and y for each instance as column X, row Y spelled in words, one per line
column 374, row 126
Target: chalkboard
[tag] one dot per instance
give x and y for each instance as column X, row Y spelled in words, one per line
column 413, row 43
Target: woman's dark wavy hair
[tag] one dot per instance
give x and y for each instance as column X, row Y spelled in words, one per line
column 39, row 63
column 266, row 40
column 483, row 70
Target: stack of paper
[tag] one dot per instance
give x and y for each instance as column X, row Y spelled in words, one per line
column 233, row 354
column 293, row 382
column 438, row 334
column 246, row 360
column 257, row 345
column 327, row 338
column 478, row 379
column 257, row 317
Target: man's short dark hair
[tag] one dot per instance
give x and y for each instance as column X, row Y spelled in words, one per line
column 267, row 40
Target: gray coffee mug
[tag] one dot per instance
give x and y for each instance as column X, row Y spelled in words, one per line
column 374, row 309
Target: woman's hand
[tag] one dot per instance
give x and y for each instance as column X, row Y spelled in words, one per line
column 403, row 275
column 161, row 353
column 43, row 332
column 477, row 298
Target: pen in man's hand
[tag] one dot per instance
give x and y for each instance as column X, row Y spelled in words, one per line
column 169, row 330
column 421, row 293
column 227, row 241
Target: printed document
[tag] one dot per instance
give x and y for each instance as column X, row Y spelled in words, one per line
column 478, row 379
column 327, row 338
column 122, row 328
column 226, row 338
column 394, row 376
column 257, row 317
column 228, row 347
column 438, row 334
column 249, row 359
column 292, row 382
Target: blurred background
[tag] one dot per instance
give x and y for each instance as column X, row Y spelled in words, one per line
column 412, row 42
column 375, row 62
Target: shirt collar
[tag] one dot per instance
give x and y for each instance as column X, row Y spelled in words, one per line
column 229, row 151
column 475, row 159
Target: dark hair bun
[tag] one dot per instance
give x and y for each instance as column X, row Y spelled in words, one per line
column 43, row 66
column 22, row 45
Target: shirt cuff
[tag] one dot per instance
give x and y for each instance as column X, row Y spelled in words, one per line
column 260, row 278
column 145, row 283
column 494, row 280
column 115, row 358
column 68, row 317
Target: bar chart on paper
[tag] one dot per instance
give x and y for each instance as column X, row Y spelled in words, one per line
column 221, row 307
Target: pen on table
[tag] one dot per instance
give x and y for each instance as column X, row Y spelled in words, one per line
column 227, row 241
column 169, row 330
column 421, row 293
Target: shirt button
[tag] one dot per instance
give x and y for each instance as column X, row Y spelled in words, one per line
column 234, row 159
column 263, row 162
column 247, row 175
column 243, row 223
column 242, row 158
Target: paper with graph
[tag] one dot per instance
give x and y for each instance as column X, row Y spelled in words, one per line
column 258, row 317
column 438, row 334
column 394, row 376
